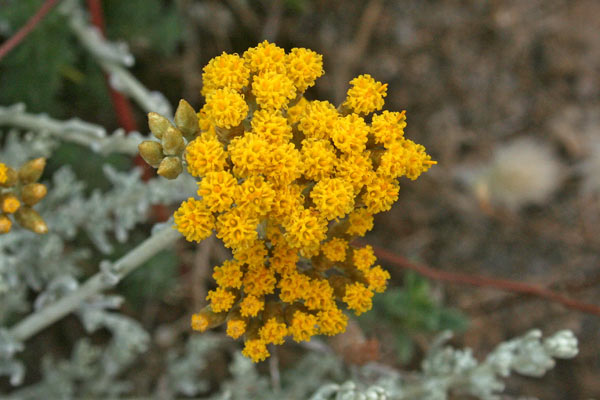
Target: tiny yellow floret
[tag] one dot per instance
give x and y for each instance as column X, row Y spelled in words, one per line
column 204, row 155
column 236, row 328
column 335, row 249
column 220, row 299
column 358, row 297
column 273, row 331
column 225, row 71
column 194, row 220
column 256, row 350
column 3, row 173
column 273, row 90
column 303, row 326
column 226, row 108
column 366, row 95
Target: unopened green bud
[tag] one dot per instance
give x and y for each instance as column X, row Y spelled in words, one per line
column 32, row 170
column 32, row 193
column 186, row 120
column 158, row 124
column 11, row 177
column 172, row 142
column 170, row 167
column 151, row 152
column 28, row 218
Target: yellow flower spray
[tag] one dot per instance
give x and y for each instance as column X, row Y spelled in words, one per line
column 19, row 192
column 287, row 184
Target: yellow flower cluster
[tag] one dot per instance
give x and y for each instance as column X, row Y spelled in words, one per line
column 287, row 184
column 19, row 192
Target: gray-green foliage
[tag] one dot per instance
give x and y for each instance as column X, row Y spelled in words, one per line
column 51, row 62
column 412, row 309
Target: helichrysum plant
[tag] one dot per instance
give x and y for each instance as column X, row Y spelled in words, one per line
column 287, row 184
column 19, row 192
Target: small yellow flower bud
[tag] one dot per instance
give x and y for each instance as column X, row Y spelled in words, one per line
column 28, row 218
column 206, row 319
column 151, row 152
column 170, row 167
column 5, row 224
column 172, row 142
column 32, row 170
column 158, row 124
column 10, row 177
column 32, row 193
column 9, row 203
column 186, row 120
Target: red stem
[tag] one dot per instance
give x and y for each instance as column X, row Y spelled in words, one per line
column 14, row 40
column 120, row 103
column 482, row 281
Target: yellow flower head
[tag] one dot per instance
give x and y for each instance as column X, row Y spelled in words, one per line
column 204, row 155
column 319, row 295
column 304, row 67
column 358, row 297
column 285, row 164
column 254, row 255
column 273, row 90
column 349, row 134
column 236, row 328
column 9, row 203
column 335, row 249
column 259, row 281
column 220, row 299
column 296, row 111
column 256, row 350
column 271, row 126
column 226, row 108
column 305, row 230
column 332, row 321
column 303, row 326
column 354, row 168
column 381, row 192
column 194, row 220
column 284, row 259
column 273, row 331
column 360, row 222
column 318, row 120
column 5, row 224
column 237, row 229
column 388, row 127
column 293, row 286
column 249, row 155
column 287, row 183
column 288, row 199
column 363, row 258
column 225, row 71
column 377, row 278
column 265, row 57
column 334, row 197
column 217, row 190
column 318, row 157
column 366, row 95
column 3, row 173
column 200, row 322
column 416, row 161
column 255, row 196
column 229, row 275
column 250, row 306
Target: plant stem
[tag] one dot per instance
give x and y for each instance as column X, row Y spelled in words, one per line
column 96, row 284
column 27, row 28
